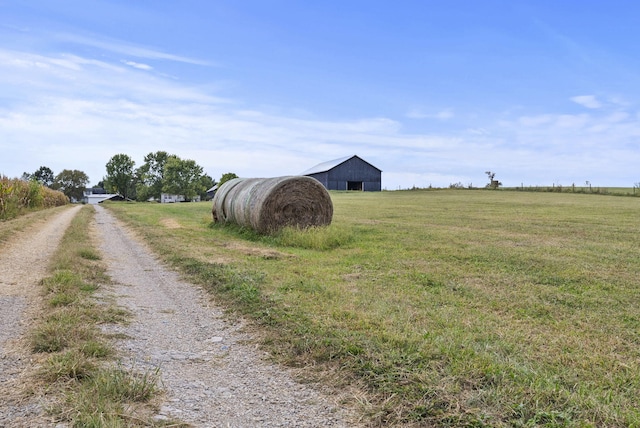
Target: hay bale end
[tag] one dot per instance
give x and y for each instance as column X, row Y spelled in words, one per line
column 269, row 204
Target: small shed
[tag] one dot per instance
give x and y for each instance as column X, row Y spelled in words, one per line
column 348, row 173
column 212, row 192
column 100, row 198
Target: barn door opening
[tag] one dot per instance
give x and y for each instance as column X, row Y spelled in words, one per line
column 354, row 185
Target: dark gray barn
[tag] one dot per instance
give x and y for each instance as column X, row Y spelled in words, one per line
column 348, row 173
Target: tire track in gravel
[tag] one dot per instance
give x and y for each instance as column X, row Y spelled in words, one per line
column 212, row 374
column 24, row 262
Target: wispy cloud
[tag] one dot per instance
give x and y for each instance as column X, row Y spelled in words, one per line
column 417, row 113
column 128, row 49
column 137, row 65
column 39, row 75
column 73, row 111
column 588, row 101
column 80, row 103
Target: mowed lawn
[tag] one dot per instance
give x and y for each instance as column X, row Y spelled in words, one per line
column 443, row 307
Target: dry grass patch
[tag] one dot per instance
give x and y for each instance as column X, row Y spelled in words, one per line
column 170, row 223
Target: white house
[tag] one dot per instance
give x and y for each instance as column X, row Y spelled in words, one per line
column 167, row 198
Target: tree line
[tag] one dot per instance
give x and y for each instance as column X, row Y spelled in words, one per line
column 70, row 182
column 160, row 173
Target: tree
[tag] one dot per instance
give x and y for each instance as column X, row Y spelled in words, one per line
column 226, row 177
column 493, row 184
column 44, row 176
column 151, row 176
column 120, row 177
column 182, row 177
column 72, row 183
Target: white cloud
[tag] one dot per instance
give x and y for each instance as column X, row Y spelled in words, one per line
column 572, row 120
column 417, row 113
column 74, row 112
column 617, row 116
column 535, row 120
column 81, row 111
column 588, row 101
column 445, row 114
column 137, row 65
column 121, row 47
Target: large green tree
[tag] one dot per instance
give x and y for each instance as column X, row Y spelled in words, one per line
column 120, row 176
column 44, row 176
column 72, row 183
column 151, row 176
column 182, row 177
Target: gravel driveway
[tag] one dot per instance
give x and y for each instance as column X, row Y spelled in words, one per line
column 213, row 373
column 24, row 261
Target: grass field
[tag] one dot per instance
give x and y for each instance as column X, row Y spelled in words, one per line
column 445, row 308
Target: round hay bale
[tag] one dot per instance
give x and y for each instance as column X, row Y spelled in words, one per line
column 269, row 204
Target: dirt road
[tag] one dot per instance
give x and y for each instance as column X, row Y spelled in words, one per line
column 24, row 261
column 212, row 371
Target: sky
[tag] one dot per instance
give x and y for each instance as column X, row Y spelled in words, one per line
column 433, row 93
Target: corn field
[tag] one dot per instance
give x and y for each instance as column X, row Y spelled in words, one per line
column 19, row 196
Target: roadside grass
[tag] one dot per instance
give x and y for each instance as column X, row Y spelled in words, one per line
column 446, row 307
column 77, row 368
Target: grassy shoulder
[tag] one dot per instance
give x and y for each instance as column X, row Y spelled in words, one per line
column 451, row 308
column 77, row 361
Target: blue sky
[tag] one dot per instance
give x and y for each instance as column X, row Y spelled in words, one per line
column 540, row 92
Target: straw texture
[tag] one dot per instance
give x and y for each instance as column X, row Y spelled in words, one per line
column 269, row 204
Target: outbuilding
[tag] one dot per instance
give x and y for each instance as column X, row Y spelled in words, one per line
column 348, row 173
column 100, row 198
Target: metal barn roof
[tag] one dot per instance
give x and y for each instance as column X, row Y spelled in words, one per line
column 326, row 166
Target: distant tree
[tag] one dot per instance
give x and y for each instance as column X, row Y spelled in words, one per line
column 226, row 177
column 151, row 176
column 207, row 183
column 44, row 176
column 182, row 177
column 26, row 176
column 72, row 183
column 493, row 184
column 120, row 177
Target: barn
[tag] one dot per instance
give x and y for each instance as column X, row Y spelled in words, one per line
column 348, row 173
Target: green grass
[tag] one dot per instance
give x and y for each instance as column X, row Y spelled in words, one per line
column 448, row 307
